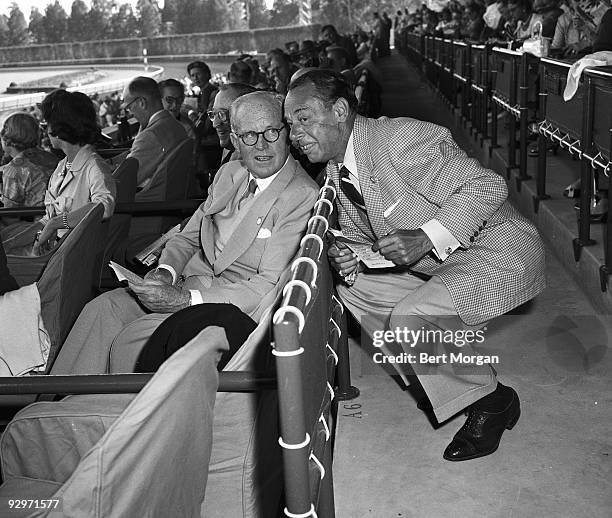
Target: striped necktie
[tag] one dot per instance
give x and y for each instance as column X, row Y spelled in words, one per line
column 249, row 191
column 349, row 190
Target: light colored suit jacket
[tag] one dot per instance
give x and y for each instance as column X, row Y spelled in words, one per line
column 413, row 172
column 153, row 143
column 246, row 273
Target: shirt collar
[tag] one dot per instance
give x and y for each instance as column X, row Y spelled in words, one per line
column 264, row 183
column 350, row 162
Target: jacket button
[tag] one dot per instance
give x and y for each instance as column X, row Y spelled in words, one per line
column 475, row 234
column 471, row 239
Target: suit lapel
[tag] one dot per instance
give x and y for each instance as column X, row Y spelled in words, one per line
column 246, row 231
column 228, row 185
column 368, row 176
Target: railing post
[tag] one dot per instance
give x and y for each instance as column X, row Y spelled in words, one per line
column 586, row 172
column 345, row 390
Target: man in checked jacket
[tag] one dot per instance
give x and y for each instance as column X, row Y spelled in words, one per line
column 463, row 254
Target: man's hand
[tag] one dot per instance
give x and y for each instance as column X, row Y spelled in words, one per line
column 403, row 247
column 342, row 259
column 159, row 276
column 161, row 297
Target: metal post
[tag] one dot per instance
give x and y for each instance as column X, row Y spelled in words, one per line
column 292, row 418
column 524, row 119
column 512, row 130
column 541, row 171
column 345, row 390
column 586, row 172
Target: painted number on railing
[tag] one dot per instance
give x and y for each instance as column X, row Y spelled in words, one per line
column 352, row 406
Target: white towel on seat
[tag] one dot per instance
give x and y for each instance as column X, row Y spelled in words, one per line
column 24, row 341
column 598, row 59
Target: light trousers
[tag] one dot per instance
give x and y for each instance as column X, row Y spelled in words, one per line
column 390, row 301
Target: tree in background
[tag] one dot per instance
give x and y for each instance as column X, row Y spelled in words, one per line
column 123, row 23
column 4, row 31
column 349, row 15
column 98, row 19
column 78, row 29
column 283, row 13
column 201, row 16
column 260, row 17
column 37, row 26
column 55, row 23
column 17, row 27
column 149, row 19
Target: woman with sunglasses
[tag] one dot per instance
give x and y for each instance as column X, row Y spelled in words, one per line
column 79, row 181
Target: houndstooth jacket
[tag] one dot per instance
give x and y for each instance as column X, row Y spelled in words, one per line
column 419, row 168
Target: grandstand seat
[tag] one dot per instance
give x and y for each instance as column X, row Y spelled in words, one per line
column 172, row 178
column 119, row 224
column 118, row 455
column 84, row 241
column 65, row 286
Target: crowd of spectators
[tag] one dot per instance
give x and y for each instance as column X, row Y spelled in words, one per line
column 574, row 27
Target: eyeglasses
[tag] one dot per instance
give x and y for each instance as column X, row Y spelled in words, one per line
column 173, row 100
column 223, row 115
column 250, row 138
column 127, row 106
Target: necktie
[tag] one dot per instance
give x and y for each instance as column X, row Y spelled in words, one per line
column 349, row 190
column 249, row 192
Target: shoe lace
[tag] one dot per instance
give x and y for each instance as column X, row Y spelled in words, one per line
column 474, row 421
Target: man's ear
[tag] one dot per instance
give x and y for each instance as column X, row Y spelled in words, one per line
column 341, row 109
column 234, row 140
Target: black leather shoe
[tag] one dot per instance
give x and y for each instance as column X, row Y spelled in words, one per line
column 481, row 433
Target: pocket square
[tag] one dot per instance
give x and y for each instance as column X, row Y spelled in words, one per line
column 264, row 233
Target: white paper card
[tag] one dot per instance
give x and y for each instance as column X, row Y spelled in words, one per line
column 123, row 274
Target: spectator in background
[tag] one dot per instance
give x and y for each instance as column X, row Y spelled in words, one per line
column 550, row 11
column 378, row 29
column 200, row 75
column 173, row 96
column 493, row 19
column 474, row 26
column 524, row 20
column 240, row 72
column 293, row 51
column 309, row 54
column 338, row 60
column 387, row 23
column 258, row 77
column 104, row 112
column 363, row 46
column 603, row 40
column 79, row 181
column 158, row 135
column 25, row 177
column 330, row 34
column 280, row 70
column 220, row 117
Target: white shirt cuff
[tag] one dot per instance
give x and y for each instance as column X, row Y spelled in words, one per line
column 443, row 241
column 170, row 269
column 196, row 297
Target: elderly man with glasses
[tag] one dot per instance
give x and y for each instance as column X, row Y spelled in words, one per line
column 223, row 269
